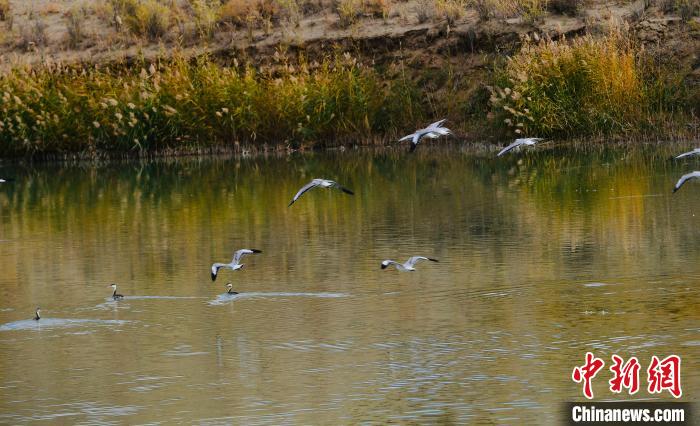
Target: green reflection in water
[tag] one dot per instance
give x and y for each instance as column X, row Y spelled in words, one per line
column 543, row 256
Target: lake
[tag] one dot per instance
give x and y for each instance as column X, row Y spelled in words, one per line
column 543, row 256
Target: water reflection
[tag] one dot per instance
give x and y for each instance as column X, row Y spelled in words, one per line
column 543, row 256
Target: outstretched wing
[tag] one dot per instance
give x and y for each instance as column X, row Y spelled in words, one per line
column 342, row 188
column 388, row 262
column 510, row 147
column 303, row 189
column 413, row 260
column 684, row 178
column 215, row 269
column 441, row 131
column 436, row 124
column 242, row 252
column 696, row 151
column 528, row 141
column 408, row 137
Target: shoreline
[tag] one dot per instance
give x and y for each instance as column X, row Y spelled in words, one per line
column 279, row 151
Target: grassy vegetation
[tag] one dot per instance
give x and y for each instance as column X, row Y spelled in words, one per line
column 181, row 104
column 589, row 86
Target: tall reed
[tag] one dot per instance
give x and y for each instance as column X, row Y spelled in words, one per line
column 587, row 86
column 180, row 104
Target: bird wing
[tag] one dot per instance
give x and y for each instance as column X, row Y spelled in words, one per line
column 342, row 188
column 517, row 143
column 407, row 137
column 442, row 131
column 413, row 260
column 696, row 151
column 242, row 252
column 684, row 178
column 303, row 189
column 388, row 262
column 529, row 141
column 437, row 124
column 214, row 269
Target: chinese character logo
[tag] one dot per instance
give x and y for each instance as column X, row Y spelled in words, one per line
column 625, row 376
column 587, row 372
column 661, row 375
column 665, row 375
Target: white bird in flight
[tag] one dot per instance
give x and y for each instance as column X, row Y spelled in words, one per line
column 518, row 143
column 684, row 178
column 235, row 263
column 696, row 151
column 433, row 131
column 408, row 266
column 323, row 183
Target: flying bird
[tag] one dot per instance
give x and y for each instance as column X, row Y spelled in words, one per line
column 694, row 152
column 116, row 296
column 684, row 178
column 323, row 183
column 433, row 131
column 235, row 263
column 408, row 266
column 5, row 180
column 518, row 143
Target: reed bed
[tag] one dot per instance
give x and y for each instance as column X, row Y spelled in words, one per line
column 586, row 86
column 182, row 104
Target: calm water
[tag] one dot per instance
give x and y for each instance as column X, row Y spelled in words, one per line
column 543, row 256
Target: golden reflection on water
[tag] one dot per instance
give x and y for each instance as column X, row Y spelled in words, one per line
column 543, row 256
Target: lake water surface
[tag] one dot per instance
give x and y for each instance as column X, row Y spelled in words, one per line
column 544, row 256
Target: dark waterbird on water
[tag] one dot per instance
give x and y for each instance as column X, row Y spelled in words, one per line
column 433, row 131
column 235, row 263
column 323, row 183
column 685, row 178
column 116, row 296
column 409, row 265
column 37, row 314
column 518, row 143
column 229, row 288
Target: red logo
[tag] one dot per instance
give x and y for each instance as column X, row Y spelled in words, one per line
column 665, row 375
column 587, row 372
column 626, row 376
column 662, row 375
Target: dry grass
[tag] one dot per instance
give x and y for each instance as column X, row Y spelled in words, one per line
column 144, row 18
column 51, row 8
column 74, row 27
column 180, row 104
column 583, row 87
column 450, row 10
column 4, row 10
column 425, row 10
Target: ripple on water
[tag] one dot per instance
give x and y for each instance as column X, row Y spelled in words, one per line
column 46, row 323
column 225, row 298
